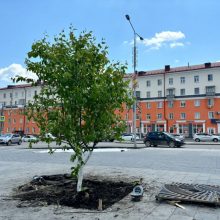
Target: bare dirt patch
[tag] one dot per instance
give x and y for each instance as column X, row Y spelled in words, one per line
column 61, row 190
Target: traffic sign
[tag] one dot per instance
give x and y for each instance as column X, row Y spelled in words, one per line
column 2, row 118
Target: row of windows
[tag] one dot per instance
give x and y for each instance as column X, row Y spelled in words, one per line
column 16, row 94
column 209, row 90
column 182, row 80
column 27, row 130
column 171, row 116
column 210, row 102
column 14, row 121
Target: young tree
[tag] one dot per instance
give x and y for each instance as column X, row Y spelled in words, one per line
column 81, row 90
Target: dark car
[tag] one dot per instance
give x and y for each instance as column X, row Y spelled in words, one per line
column 162, row 138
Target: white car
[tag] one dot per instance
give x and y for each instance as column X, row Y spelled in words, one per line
column 129, row 137
column 29, row 138
column 9, row 139
column 205, row 137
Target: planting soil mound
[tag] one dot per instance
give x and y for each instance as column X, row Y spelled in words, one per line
column 61, row 190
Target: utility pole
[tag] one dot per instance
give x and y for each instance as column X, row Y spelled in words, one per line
column 134, row 82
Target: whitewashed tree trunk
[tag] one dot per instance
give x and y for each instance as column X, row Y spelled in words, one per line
column 80, row 174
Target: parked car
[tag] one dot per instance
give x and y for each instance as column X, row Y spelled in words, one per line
column 179, row 136
column 9, row 139
column 129, row 137
column 205, row 137
column 156, row 138
column 29, row 138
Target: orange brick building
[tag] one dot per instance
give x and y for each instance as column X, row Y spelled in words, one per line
column 182, row 100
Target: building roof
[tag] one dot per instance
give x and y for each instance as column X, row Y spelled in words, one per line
column 16, row 86
column 168, row 69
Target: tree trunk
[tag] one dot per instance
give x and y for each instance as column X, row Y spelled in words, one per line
column 80, row 179
column 80, row 174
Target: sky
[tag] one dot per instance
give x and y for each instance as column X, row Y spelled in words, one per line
column 175, row 32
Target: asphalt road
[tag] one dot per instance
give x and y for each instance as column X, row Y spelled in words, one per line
column 201, row 158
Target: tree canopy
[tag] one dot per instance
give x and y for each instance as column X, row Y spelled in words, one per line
column 80, row 91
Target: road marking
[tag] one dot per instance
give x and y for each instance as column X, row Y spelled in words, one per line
column 95, row 150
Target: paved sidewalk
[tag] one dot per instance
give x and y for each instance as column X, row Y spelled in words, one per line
column 17, row 173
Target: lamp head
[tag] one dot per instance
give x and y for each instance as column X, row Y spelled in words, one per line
column 127, row 17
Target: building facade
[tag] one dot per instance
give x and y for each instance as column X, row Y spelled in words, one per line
column 182, row 100
column 13, row 100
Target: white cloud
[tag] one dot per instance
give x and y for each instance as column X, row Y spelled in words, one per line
column 13, row 70
column 176, row 44
column 164, row 37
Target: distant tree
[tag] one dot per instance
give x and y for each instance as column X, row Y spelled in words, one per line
column 81, row 90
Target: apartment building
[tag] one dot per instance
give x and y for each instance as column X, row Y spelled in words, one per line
column 13, row 100
column 182, row 100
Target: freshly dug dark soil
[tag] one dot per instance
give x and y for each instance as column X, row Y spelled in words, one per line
column 61, row 190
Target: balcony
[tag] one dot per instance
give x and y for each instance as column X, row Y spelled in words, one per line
column 210, row 91
column 170, row 97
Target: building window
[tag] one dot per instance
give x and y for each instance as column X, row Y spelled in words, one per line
column 4, row 95
column 159, row 116
column 197, row 115
column 159, row 82
column 210, row 102
column 148, row 94
column 14, row 121
column 210, row 90
column 16, row 95
column 21, row 120
column 196, row 91
column 182, row 115
column 29, row 93
column 138, row 94
column 11, row 95
column 211, row 115
column 170, row 81
column 148, row 117
column 182, row 104
column 159, row 93
column 182, row 92
column 170, row 92
column 148, row 83
column 16, row 102
column 170, row 104
column 126, row 117
column 159, row 104
column 182, row 80
column 148, row 105
column 210, row 77
column 35, row 92
column 170, row 116
column 197, row 103
column 33, row 130
column 196, row 79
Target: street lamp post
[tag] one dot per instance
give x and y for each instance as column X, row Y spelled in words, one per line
column 134, row 78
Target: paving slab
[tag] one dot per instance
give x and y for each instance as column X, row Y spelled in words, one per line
column 14, row 174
